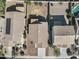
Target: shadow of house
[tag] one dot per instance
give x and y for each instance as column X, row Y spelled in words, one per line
column 32, row 16
column 36, row 22
column 12, row 9
column 40, row 19
column 58, row 20
column 55, row 20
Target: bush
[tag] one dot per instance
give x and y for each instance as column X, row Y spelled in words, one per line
column 73, row 21
column 49, row 43
column 57, row 51
column 68, row 16
column 76, row 41
column 74, row 48
column 68, row 51
column 67, row 10
column 1, row 46
column 22, row 52
column 5, row 50
column 36, row 3
column 24, row 45
column 40, row 3
column 24, row 34
column 28, row 3
column 13, row 51
column 72, row 17
column 1, row 53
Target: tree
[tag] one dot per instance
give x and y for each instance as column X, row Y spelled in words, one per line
column 49, row 43
column 69, row 13
column 2, row 8
column 24, row 45
column 24, row 34
column 68, row 51
column 76, row 41
column 1, row 46
column 74, row 48
column 40, row 3
column 57, row 51
column 13, row 51
column 22, row 52
column 28, row 2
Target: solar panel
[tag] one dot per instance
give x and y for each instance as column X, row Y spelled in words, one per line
column 8, row 24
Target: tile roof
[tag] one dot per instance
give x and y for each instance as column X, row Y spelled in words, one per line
column 63, row 30
column 39, row 34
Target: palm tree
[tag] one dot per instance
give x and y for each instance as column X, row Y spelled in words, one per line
column 28, row 2
column 57, row 51
column 48, row 20
column 26, row 15
column 68, row 51
column 48, row 12
column 69, row 13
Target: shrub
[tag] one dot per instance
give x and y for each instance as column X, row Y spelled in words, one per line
column 68, row 51
column 13, row 51
column 40, row 3
column 49, row 43
column 67, row 10
column 1, row 53
column 57, row 51
column 70, row 14
column 24, row 46
column 28, row 2
column 24, row 34
column 22, row 52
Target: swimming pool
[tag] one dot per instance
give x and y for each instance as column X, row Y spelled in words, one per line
column 76, row 9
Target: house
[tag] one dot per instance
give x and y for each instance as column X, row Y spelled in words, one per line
column 63, row 36
column 37, row 38
column 14, row 24
column 38, row 33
